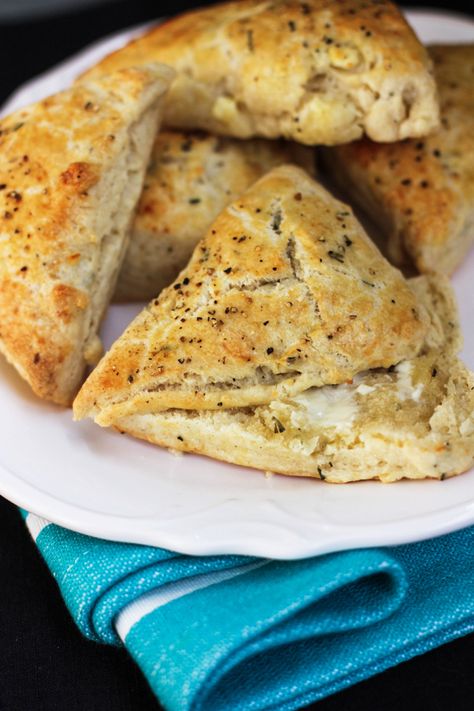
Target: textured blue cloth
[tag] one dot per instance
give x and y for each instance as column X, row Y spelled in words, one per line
column 277, row 636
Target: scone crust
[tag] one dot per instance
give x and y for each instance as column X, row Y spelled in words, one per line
column 53, row 155
column 415, row 421
column 285, row 291
column 422, row 190
column 191, row 177
column 317, row 71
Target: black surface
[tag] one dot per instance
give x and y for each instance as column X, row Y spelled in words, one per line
column 45, row 664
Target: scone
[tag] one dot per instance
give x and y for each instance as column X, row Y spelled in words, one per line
column 191, row 177
column 285, row 292
column 316, row 72
column 71, row 172
column 414, row 420
column 422, row 192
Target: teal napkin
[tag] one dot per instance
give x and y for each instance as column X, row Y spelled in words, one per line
column 232, row 632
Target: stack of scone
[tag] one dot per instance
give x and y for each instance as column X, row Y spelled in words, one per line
column 278, row 336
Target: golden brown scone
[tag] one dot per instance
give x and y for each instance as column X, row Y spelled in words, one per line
column 422, row 192
column 71, row 172
column 286, row 291
column 412, row 421
column 316, row 71
column 191, row 177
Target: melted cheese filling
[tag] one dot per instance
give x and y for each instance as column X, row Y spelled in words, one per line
column 405, row 388
column 336, row 406
column 332, row 406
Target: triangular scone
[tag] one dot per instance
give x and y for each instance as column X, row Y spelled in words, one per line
column 421, row 193
column 190, row 178
column 318, row 72
column 71, row 172
column 414, row 420
column 286, row 291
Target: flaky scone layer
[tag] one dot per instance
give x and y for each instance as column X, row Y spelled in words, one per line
column 318, row 72
column 413, row 421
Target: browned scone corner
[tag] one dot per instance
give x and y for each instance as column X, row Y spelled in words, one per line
column 190, row 178
column 421, row 192
column 71, row 172
column 317, row 72
column 285, row 292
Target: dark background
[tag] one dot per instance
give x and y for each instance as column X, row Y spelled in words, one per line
column 45, row 664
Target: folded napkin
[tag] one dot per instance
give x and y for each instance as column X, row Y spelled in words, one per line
column 233, row 632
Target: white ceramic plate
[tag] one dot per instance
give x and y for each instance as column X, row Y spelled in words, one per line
column 98, row 482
